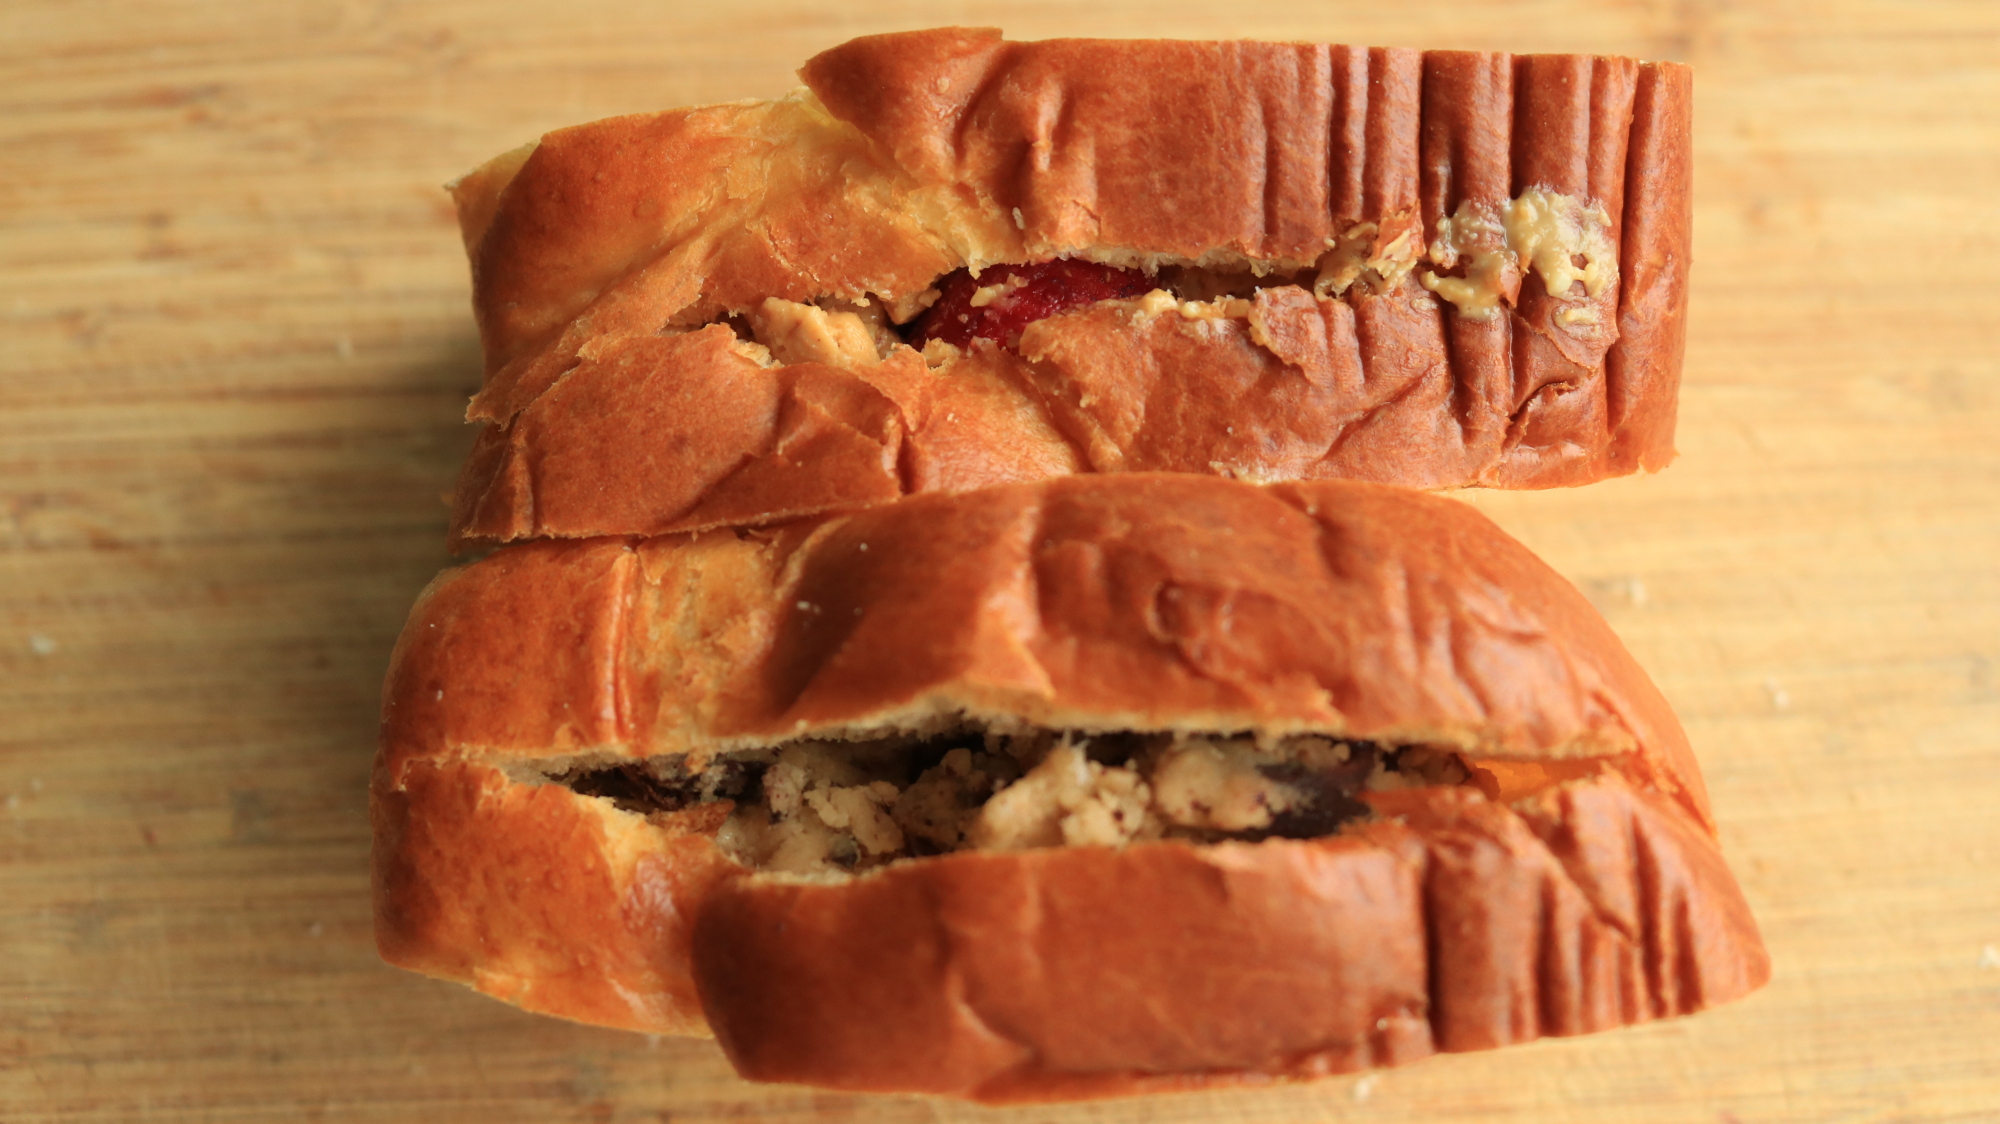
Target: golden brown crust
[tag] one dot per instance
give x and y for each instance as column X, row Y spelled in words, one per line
column 1452, row 924
column 531, row 893
column 1642, row 369
column 1135, row 601
column 620, row 227
column 1165, row 146
column 920, row 152
column 1090, row 602
column 537, row 896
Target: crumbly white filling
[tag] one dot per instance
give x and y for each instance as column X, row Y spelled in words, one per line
column 1068, row 799
column 825, row 809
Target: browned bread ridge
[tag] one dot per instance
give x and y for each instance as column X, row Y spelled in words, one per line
column 607, row 256
column 1458, row 918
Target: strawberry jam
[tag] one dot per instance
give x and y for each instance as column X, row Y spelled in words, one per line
column 1017, row 296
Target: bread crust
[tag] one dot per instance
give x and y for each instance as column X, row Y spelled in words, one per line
column 913, row 154
column 1453, row 923
column 1140, row 601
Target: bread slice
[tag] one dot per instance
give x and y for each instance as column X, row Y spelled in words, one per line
column 1428, row 268
column 1304, row 778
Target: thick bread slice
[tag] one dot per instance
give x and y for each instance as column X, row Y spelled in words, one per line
column 1135, row 602
column 914, row 154
column 1452, row 924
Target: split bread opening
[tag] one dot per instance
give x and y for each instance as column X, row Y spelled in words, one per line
column 952, row 261
column 1089, row 786
column 831, row 808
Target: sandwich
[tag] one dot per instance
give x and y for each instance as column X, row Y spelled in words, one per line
column 951, row 261
column 1086, row 786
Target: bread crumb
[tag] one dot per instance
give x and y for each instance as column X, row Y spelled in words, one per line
column 1365, row 1088
column 937, row 353
column 1989, row 957
column 987, row 294
column 1781, row 699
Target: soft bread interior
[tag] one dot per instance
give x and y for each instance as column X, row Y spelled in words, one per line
column 834, row 808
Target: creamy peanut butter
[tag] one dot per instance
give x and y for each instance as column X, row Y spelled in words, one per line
column 1228, row 308
column 1541, row 231
column 804, row 333
column 1363, row 254
column 1550, row 230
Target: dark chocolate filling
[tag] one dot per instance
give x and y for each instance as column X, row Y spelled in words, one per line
column 641, row 790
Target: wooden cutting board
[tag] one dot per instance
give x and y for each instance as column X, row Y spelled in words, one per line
column 236, row 344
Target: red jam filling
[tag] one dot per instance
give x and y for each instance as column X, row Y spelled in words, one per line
column 1020, row 295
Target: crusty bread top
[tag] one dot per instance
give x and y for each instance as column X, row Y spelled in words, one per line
column 1136, row 602
column 1190, row 150
column 913, row 154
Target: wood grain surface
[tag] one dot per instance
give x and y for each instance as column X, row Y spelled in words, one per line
column 234, row 345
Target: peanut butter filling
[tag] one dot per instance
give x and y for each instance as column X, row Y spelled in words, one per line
column 1561, row 239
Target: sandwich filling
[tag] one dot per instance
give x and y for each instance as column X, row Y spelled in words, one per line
column 1481, row 254
column 828, row 808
